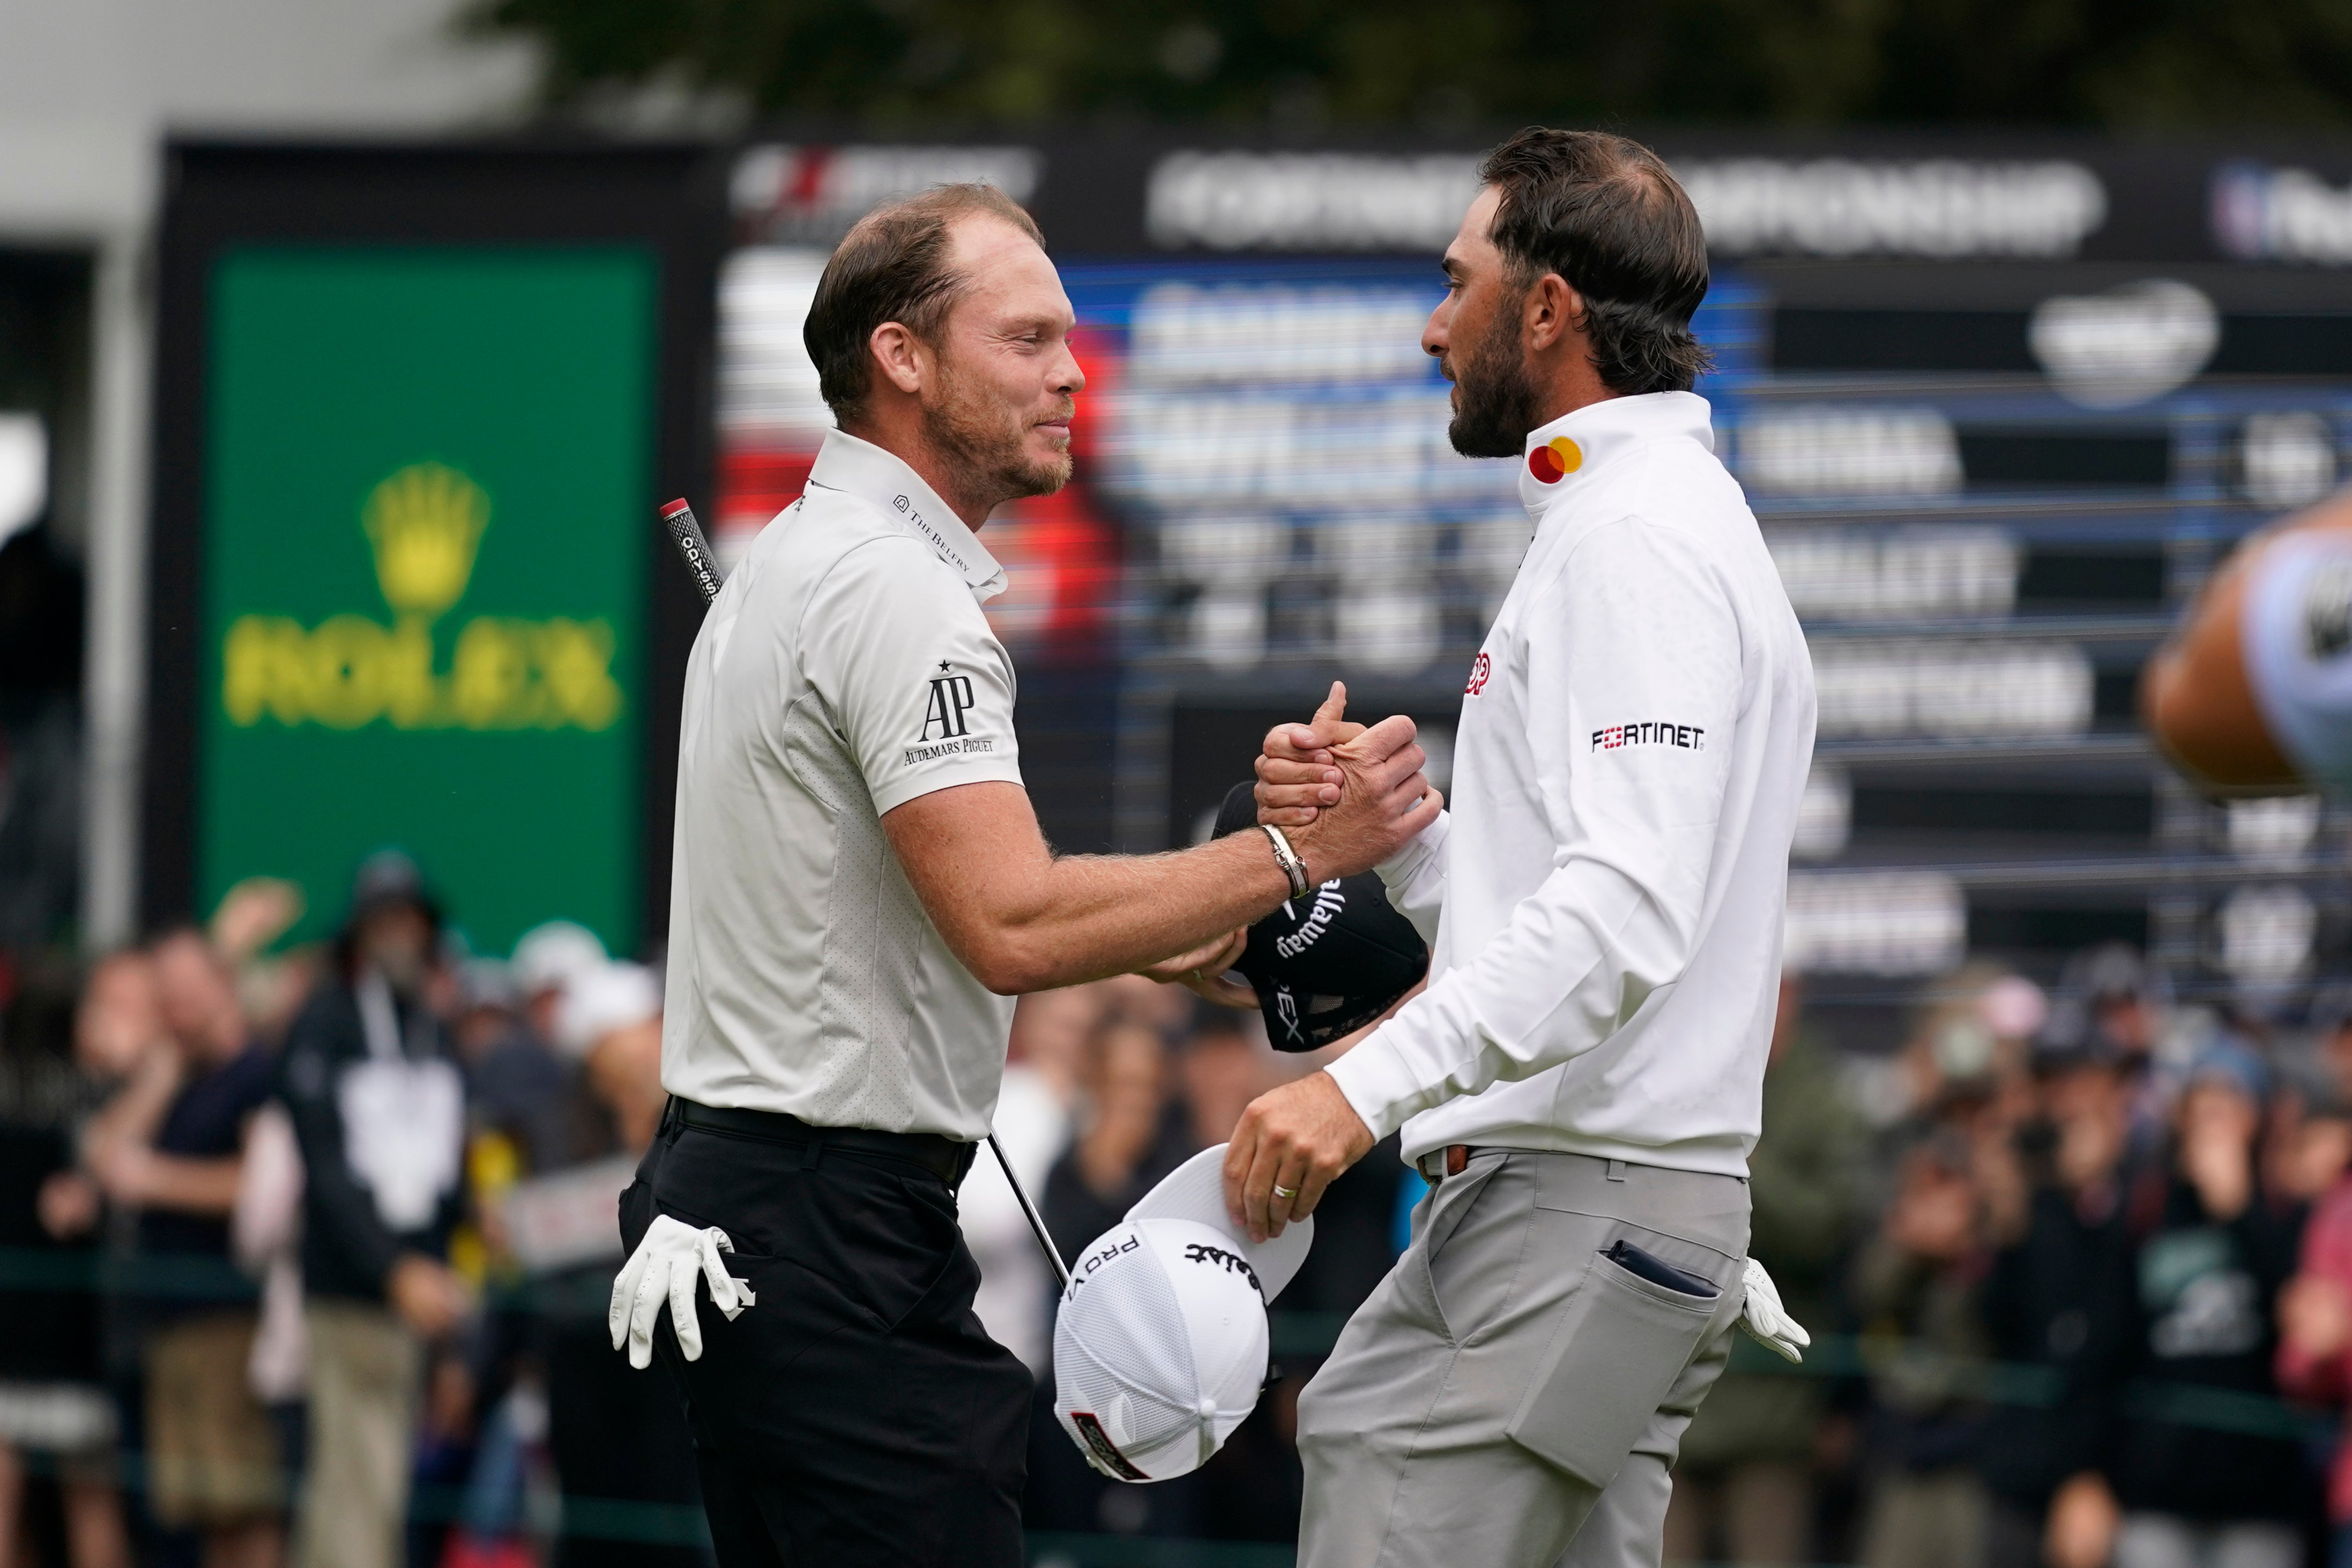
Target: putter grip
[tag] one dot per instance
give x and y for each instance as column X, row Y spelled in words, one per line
column 687, row 534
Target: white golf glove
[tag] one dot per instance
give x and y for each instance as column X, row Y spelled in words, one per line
column 1768, row 1323
column 665, row 1268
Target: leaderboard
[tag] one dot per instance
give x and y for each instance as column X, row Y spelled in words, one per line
column 2000, row 405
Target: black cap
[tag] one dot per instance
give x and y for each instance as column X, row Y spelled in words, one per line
column 1330, row 963
column 390, row 877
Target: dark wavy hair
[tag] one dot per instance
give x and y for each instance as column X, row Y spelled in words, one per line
column 1607, row 216
column 893, row 267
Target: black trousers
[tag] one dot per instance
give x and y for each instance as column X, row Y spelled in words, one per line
column 857, row 1413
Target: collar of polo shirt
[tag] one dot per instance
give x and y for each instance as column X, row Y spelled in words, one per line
column 883, row 480
column 1569, row 449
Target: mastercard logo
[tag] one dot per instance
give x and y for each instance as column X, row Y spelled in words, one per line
column 1555, row 460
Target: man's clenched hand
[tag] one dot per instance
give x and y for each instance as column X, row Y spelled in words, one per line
column 1202, row 970
column 665, row 1268
column 1384, row 801
column 1298, row 1137
column 1296, row 774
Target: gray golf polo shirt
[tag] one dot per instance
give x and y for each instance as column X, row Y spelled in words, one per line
column 844, row 669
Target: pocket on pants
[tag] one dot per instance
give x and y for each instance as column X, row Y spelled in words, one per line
column 1621, row 1343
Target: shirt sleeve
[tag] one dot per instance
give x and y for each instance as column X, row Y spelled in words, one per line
column 1415, row 877
column 915, row 680
column 1630, row 660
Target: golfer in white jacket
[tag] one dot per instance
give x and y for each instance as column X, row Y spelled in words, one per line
column 1583, row 1077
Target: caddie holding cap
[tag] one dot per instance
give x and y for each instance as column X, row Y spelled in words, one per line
column 858, row 889
column 1583, row 1077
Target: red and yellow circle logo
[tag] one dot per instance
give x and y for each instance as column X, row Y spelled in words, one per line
column 1555, row 460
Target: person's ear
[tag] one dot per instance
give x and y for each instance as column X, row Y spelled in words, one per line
column 900, row 355
column 1552, row 311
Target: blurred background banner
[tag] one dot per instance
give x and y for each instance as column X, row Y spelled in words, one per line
column 2000, row 398
column 479, row 424
column 420, row 405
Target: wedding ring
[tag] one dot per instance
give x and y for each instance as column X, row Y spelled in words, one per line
column 1285, row 1192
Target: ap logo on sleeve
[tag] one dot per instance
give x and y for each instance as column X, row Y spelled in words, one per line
column 947, row 728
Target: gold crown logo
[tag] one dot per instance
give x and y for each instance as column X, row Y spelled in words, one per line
column 425, row 522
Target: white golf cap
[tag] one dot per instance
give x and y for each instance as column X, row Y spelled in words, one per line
column 600, row 1000
column 1195, row 1191
column 1159, row 1348
column 550, row 956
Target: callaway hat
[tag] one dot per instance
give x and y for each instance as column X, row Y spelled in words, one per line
column 1160, row 1346
column 1329, row 964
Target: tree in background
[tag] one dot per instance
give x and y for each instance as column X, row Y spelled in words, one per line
column 1307, row 63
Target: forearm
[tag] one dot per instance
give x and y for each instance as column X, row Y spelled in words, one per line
column 1083, row 917
column 1580, row 956
column 1023, row 919
column 129, row 1120
column 191, row 1187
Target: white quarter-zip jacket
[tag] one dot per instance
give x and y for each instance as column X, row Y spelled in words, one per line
column 1604, row 901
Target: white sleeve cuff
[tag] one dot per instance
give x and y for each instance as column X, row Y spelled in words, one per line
column 1399, row 869
column 1378, row 1084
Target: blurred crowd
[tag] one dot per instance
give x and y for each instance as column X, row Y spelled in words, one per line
column 304, row 1253
column 2079, row 1266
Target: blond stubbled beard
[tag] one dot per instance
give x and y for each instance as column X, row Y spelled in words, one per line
column 987, row 440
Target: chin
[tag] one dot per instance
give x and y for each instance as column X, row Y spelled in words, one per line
column 1051, row 474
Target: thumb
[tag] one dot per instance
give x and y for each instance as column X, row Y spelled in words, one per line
column 1335, row 707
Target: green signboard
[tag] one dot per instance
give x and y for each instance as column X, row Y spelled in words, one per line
column 427, row 476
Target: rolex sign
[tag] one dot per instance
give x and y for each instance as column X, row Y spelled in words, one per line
column 425, row 528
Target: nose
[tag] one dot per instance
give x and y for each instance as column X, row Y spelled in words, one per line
column 1434, row 334
column 1069, row 378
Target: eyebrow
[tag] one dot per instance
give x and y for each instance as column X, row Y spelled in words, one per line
column 1041, row 322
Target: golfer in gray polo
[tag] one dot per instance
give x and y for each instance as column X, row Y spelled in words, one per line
column 1583, row 1077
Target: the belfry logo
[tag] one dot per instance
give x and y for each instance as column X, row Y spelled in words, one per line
column 425, row 523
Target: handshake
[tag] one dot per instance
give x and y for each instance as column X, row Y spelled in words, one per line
column 1346, row 796
column 1349, row 796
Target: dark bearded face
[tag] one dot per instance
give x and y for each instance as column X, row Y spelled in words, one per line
column 1495, row 400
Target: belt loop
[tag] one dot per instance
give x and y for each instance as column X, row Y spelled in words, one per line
column 673, row 1122
column 813, row 1149
column 1616, row 1170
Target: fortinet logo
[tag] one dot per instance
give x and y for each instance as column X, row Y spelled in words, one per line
column 1681, row 736
column 1308, row 201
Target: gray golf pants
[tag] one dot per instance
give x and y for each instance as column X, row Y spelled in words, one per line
column 1510, row 1398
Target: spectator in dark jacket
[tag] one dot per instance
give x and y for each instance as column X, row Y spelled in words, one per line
column 379, row 1110
column 2058, row 1315
column 1746, row 1472
column 2198, row 1490
column 1918, row 1289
